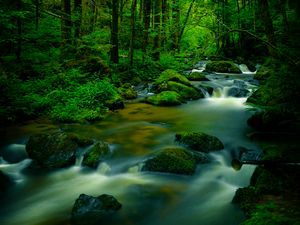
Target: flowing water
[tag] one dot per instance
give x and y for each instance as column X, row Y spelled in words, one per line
column 134, row 133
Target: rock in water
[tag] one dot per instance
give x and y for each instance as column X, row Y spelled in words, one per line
column 96, row 154
column 199, row 141
column 89, row 210
column 238, row 92
column 174, row 160
column 55, row 150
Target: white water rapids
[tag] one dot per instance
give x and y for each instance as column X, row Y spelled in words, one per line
column 147, row 198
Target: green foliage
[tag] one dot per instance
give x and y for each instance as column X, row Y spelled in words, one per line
column 270, row 213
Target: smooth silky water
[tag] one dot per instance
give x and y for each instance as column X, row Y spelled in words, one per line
column 147, row 198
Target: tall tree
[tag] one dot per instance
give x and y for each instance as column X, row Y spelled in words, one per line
column 114, row 53
column 268, row 24
column 78, row 15
column 157, row 27
column 132, row 28
column 66, row 24
column 37, row 14
column 176, row 24
column 147, row 11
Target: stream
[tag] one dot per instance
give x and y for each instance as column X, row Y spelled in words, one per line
column 133, row 134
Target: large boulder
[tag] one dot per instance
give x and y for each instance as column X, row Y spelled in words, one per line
column 222, row 67
column 199, row 141
column 165, row 98
column 238, row 92
column 172, row 75
column 89, row 210
column 174, row 160
column 186, row 92
column 96, row 154
column 197, row 76
column 53, row 150
column 127, row 91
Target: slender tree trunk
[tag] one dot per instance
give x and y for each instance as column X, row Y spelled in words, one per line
column 284, row 16
column 165, row 18
column 78, row 14
column 66, row 23
column 19, row 31
column 114, row 54
column 147, row 11
column 141, row 10
column 157, row 27
column 268, row 24
column 37, row 14
column 176, row 24
column 186, row 20
column 132, row 35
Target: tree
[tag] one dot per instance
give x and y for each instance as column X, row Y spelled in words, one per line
column 132, row 35
column 157, row 27
column 147, row 11
column 114, row 53
column 66, row 26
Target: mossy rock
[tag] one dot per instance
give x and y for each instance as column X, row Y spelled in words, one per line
column 96, row 154
column 173, row 160
column 272, row 120
column 165, row 98
column 81, row 141
column 196, row 76
column 89, row 210
column 263, row 73
column 172, row 75
column 115, row 103
column 222, row 67
column 54, row 150
column 266, row 182
column 206, row 88
column 127, row 91
column 246, row 198
column 199, row 141
column 186, row 92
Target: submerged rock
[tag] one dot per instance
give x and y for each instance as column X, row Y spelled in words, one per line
column 165, row 98
column 96, row 154
column 174, row 160
column 222, row 67
column 53, row 150
column 199, row 141
column 89, row 210
column 238, row 92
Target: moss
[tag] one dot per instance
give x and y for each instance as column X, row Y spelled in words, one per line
column 172, row 75
column 184, row 91
column 222, row 67
column 96, row 154
column 195, row 76
column 246, row 198
column 127, row 91
column 263, row 74
column 199, row 141
column 165, row 98
column 172, row 160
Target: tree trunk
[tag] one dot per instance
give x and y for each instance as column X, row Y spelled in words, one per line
column 147, row 11
column 165, row 18
column 114, row 54
column 186, row 20
column 284, row 16
column 19, row 31
column 157, row 27
column 132, row 35
column 176, row 24
column 78, row 15
column 268, row 24
column 37, row 14
column 66, row 23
